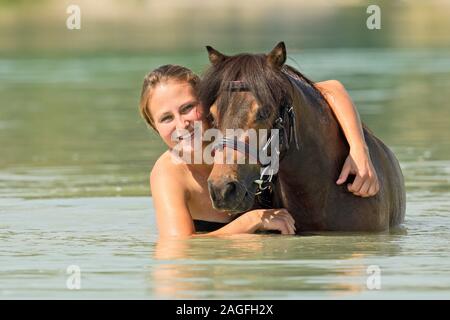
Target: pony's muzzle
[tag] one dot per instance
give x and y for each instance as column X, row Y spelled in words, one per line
column 224, row 193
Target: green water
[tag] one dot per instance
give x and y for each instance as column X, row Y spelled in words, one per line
column 74, row 165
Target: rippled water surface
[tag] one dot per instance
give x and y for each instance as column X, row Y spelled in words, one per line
column 74, row 188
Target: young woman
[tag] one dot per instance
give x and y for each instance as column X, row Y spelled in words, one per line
column 180, row 192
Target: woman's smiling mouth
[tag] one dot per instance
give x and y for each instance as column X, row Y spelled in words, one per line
column 187, row 136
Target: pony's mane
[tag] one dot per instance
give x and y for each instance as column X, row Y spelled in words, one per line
column 269, row 86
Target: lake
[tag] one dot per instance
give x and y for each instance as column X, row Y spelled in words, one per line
column 74, row 167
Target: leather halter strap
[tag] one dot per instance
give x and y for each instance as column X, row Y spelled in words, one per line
column 286, row 125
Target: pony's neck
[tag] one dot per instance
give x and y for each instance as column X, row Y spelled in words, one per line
column 322, row 146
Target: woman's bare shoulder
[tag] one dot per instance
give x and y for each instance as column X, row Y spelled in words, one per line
column 167, row 171
column 170, row 196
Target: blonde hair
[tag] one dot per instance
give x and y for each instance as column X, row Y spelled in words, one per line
column 161, row 74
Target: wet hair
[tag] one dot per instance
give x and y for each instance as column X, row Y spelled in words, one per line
column 267, row 84
column 162, row 74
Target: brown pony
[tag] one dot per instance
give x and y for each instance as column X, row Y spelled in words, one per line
column 259, row 91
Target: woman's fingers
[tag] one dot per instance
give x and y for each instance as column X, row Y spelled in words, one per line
column 364, row 190
column 292, row 225
column 287, row 225
column 356, row 185
column 373, row 189
column 344, row 173
column 365, row 183
column 283, row 213
column 279, row 219
column 290, row 222
column 362, row 185
column 365, row 186
column 291, row 228
column 288, row 215
column 289, row 219
column 282, row 226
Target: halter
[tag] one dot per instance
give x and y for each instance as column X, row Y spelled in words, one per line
column 286, row 125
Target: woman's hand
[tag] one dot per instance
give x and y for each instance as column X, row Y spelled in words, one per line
column 366, row 181
column 274, row 219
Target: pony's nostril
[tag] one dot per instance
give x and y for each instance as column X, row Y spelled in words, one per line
column 229, row 190
column 212, row 191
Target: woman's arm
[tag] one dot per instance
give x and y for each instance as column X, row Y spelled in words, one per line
column 358, row 161
column 170, row 199
column 259, row 219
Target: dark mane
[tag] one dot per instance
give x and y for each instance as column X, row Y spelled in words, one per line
column 269, row 86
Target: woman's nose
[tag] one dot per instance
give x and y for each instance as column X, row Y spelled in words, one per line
column 183, row 123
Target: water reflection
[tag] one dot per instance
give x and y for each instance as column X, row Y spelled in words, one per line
column 238, row 266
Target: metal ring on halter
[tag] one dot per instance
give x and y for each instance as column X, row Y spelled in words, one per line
column 235, row 144
column 262, row 183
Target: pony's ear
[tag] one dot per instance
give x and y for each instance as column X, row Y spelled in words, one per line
column 215, row 56
column 277, row 57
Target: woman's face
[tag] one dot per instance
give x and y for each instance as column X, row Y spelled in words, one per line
column 174, row 108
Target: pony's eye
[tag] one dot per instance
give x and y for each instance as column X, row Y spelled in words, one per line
column 211, row 120
column 261, row 115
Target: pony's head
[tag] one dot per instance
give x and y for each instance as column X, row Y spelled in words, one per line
column 242, row 92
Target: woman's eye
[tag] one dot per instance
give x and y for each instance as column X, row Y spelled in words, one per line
column 166, row 119
column 187, row 108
